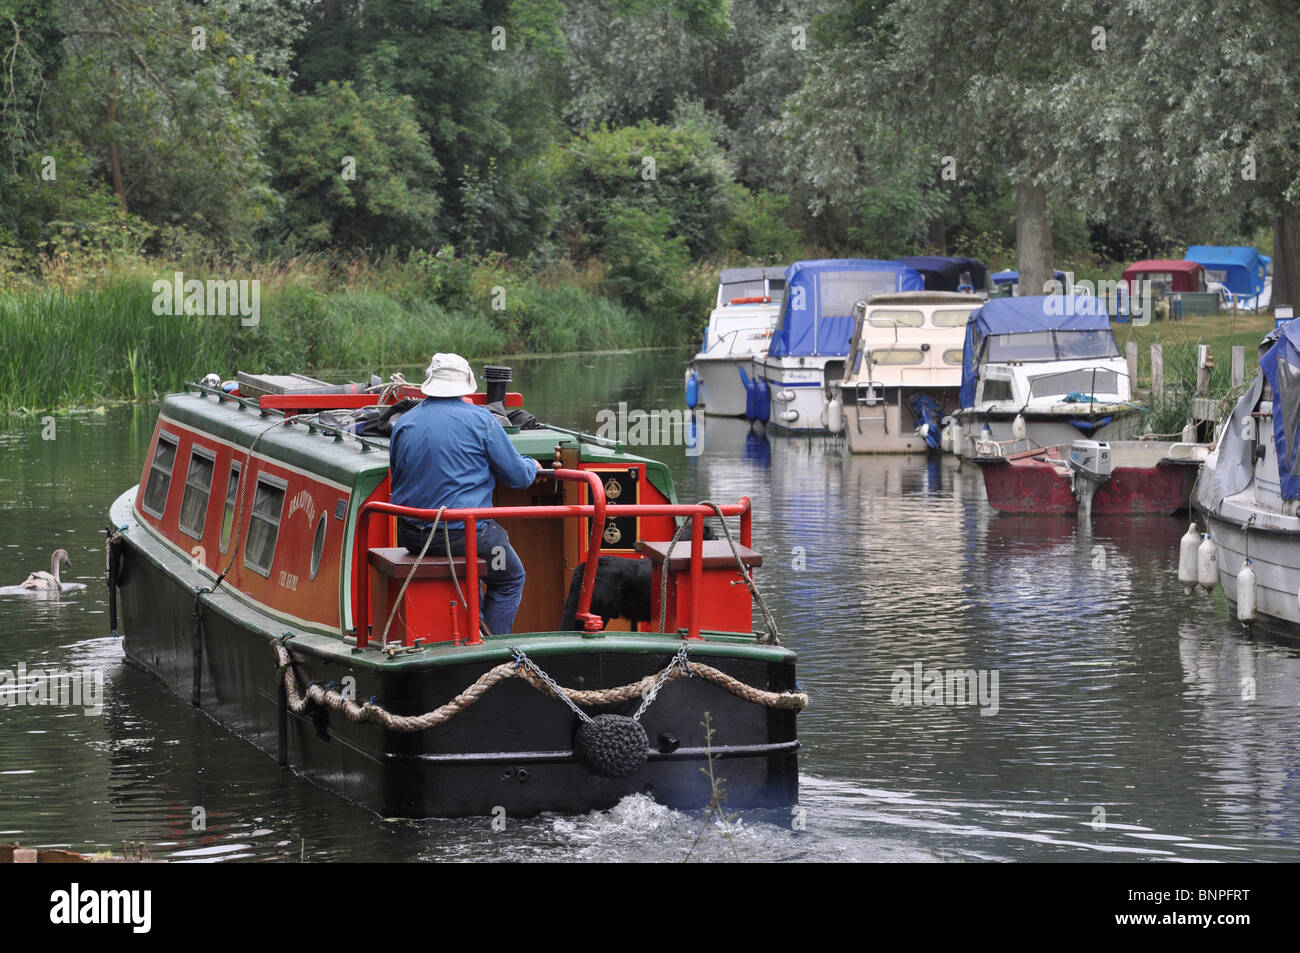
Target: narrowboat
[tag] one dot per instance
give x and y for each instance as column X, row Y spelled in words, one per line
column 739, row 330
column 798, row 377
column 904, row 371
column 254, row 570
column 1038, row 372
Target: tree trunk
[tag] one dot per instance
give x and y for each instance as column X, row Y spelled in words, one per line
column 1033, row 238
column 114, row 160
column 1286, row 257
column 937, row 236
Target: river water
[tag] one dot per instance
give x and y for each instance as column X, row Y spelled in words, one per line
column 1127, row 720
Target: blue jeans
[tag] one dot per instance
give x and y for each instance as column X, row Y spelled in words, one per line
column 505, row 574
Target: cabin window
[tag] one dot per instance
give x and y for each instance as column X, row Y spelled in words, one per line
column 198, row 487
column 952, row 356
column 995, row 389
column 898, row 355
column 894, row 318
column 951, row 318
column 318, row 546
column 228, row 517
column 264, row 523
column 1084, row 380
column 160, row 476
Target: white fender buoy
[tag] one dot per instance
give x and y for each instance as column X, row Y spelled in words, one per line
column 1246, row 594
column 1018, row 430
column 835, row 415
column 1187, row 547
column 1207, row 564
column 956, row 438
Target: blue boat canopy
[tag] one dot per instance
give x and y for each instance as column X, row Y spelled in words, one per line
column 1280, row 365
column 1028, row 315
column 942, row 273
column 817, row 314
column 1240, row 268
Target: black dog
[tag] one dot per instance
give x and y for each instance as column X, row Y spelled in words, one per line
column 621, row 590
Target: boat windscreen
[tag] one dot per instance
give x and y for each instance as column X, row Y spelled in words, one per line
column 754, row 288
column 1032, row 346
column 1052, row 346
column 1072, row 345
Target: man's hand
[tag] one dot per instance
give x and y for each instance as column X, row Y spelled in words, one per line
column 541, row 471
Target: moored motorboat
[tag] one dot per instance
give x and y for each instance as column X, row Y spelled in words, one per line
column 255, row 572
column 1038, row 372
column 1117, row 478
column 797, row 379
column 904, row 370
column 1248, row 495
column 739, row 330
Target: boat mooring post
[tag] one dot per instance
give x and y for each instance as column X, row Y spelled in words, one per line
column 1157, row 372
column 1131, row 353
column 1238, row 365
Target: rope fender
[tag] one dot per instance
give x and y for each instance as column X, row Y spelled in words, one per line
column 299, row 700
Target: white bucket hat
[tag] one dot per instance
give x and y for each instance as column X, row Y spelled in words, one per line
column 449, row 375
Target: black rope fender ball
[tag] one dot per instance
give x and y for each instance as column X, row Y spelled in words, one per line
column 614, row 746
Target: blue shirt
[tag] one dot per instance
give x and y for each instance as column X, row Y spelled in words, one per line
column 445, row 452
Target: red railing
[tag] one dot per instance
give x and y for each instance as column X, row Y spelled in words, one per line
column 596, row 511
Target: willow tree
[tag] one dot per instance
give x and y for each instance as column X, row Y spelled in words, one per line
column 1000, row 87
column 1215, row 126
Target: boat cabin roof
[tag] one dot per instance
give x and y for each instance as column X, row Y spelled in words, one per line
column 921, row 298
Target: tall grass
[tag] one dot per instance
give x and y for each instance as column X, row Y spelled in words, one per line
column 68, row 344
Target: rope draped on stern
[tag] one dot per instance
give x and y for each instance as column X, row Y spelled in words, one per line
column 521, row 667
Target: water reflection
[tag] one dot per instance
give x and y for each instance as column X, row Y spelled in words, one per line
column 1132, row 722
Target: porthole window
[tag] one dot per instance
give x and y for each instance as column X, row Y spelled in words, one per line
column 160, row 476
column 318, row 546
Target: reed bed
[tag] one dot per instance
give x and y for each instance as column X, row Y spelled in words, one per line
column 69, row 343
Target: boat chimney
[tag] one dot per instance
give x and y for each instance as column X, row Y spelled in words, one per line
column 497, row 378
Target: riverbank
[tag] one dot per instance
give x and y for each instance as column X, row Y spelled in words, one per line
column 138, row 334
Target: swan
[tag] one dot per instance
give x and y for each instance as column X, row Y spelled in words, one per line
column 48, row 581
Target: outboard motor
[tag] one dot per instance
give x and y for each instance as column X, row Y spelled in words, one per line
column 1090, row 467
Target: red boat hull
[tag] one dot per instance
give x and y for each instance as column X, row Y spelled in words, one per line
column 1032, row 485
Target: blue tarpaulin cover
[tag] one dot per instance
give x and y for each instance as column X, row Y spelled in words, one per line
column 1243, row 267
column 1281, row 366
column 817, row 314
column 1024, row 316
